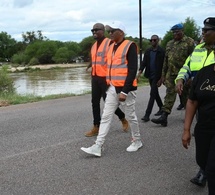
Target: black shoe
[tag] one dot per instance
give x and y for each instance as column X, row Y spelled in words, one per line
column 161, row 120
column 145, row 118
column 200, row 179
column 180, row 107
column 158, row 113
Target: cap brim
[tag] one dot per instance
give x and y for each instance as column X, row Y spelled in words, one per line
column 208, row 26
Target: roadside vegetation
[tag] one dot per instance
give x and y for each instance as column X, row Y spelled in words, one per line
column 8, row 95
column 36, row 49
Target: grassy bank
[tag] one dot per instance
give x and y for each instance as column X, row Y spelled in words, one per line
column 12, row 99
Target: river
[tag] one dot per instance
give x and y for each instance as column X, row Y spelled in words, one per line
column 53, row 81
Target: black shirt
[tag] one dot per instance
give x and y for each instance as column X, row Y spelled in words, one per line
column 203, row 91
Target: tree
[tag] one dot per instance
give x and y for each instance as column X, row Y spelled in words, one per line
column 7, row 49
column 46, row 51
column 85, row 46
column 190, row 29
column 31, row 36
column 62, row 55
column 41, row 50
column 74, row 50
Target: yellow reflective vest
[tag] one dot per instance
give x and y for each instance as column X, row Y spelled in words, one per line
column 197, row 60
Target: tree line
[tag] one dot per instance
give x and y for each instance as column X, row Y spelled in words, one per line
column 37, row 49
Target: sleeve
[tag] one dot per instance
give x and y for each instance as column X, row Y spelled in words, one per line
column 143, row 64
column 165, row 65
column 191, row 47
column 192, row 94
column 165, row 62
column 185, row 72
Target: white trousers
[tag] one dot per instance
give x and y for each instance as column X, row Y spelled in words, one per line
column 111, row 104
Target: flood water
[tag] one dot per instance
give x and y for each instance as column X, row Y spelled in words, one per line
column 51, row 82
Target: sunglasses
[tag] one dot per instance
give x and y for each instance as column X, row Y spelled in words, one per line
column 205, row 30
column 151, row 40
column 112, row 30
column 95, row 30
column 176, row 31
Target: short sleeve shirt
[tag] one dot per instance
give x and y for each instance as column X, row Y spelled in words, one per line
column 203, row 91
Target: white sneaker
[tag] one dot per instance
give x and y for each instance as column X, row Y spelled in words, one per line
column 95, row 149
column 135, row 145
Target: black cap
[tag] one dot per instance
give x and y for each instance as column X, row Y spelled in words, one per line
column 209, row 22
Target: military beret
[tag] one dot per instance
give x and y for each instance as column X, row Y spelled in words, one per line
column 177, row 27
column 209, row 22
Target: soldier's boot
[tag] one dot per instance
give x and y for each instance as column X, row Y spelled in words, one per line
column 93, row 132
column 162, row 119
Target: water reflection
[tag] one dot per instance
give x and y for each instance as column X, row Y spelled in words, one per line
column 55, row 81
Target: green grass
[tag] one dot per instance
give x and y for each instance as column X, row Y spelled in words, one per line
column 12, row 99
column 143, row 81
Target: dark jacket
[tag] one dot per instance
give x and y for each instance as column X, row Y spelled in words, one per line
column 159, row 59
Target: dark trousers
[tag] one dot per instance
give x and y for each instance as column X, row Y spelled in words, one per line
column 205, row 156
column 154, row 96
column 99, row 87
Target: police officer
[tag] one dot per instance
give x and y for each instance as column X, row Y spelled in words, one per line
column 177, row 50
column 203, row 55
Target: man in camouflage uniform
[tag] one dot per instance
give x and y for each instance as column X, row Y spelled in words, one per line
column 177, row 50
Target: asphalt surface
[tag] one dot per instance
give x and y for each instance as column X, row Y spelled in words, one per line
column 40, row 152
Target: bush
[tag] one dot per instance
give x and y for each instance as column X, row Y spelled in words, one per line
column 6, row 83
column 18, row 59
column 34, row 61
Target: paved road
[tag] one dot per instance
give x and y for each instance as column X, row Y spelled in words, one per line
column 40, row 153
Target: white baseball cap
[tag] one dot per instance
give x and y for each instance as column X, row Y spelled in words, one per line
column 116, row 25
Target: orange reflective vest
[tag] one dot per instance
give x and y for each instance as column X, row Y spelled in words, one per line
column 99, row 58
column 117, row 69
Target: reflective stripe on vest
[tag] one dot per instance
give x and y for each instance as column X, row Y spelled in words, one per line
column 199, row 58
column 117, row 65
column 99, row 58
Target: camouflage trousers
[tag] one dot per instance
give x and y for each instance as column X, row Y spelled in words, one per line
column 171, row 94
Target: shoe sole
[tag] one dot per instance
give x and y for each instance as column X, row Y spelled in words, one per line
column 91, row 135
column 85, row 150
column 145, row 120
column 163, row 124
column 198, row 184
column 135, row 150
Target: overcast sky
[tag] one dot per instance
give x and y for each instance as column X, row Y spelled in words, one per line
column 71, row 20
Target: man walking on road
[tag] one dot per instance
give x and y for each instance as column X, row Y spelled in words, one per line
column 99, row 85
column 153, row 63
column 122, row 86
column 177, row 50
